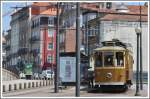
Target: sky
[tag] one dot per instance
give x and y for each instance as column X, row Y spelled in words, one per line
column 6, row 7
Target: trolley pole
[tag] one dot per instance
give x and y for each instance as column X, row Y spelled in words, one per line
column 137, row 68
column 57, row 53
column 77, row 49
column 141, row 67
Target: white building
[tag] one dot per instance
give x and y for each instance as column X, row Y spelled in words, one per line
column 20, row 33
column 121, row 25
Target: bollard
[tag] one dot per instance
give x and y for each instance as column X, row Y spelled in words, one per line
column 49, row 82
column 36, row 84
column 15, row 87
column 29, row 85
column 40, row 84
column 46, row 82
column 24, row 85
column 9, row 87
column 33, row 84
column 20, row 86
column 52, row 82
column 4, row 90
column 43, row 83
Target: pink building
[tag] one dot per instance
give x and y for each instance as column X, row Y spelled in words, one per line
column 43, row 36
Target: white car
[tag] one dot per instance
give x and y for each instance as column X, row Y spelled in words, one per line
column 48, row 74
column 36, row 76
column 22, row 76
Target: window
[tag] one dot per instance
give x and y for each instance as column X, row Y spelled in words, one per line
column 51, row 21
column 108, row 5
column 119, row 61
column 43, row 20
column 62, row 39
column 50, row 32
column 108, row 59
column 50, row 46
column 99, row 59
column 32, row 24
column 50, row 59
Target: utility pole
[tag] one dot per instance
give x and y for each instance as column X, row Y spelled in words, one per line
column 141, row 67
column 77, row 49
column 57, row 53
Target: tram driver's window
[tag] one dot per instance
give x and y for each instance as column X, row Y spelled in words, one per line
column 98, row 61
column 108, row 59
column 119, row 59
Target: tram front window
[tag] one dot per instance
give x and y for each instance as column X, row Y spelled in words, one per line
column 98, row 61
column 108, row 59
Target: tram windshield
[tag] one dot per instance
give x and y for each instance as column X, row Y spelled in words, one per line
column 108, row 59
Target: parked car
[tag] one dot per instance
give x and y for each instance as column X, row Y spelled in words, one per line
column 36, row 76
column 48, row 74
column 41, row 76
column 22, row 75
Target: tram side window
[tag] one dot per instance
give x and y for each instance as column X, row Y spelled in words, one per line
column 119, row 59
column 98, row 61
column 108, row 59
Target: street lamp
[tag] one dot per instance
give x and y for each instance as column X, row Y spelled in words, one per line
column 138, row 33
column 138, row 30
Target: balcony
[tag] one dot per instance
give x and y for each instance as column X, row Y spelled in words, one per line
column 34, row 39
column 12, row 55
column 35, row 52
column 7, row 47
column 22, row 51
column 8, row 58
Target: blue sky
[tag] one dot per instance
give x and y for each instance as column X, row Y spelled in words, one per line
column 7, row 7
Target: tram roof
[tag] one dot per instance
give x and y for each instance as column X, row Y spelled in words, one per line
column 110, row 48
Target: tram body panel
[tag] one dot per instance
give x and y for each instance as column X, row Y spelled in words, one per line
column 110, row 76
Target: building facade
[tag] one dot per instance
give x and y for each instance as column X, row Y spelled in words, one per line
column 88, row 11
column 33, row 35
column 43, row 36
column 121, row 25
column 20, row 33
column 3, row 51
column 7, row 47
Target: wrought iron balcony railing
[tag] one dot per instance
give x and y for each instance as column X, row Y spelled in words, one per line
column 34, row 38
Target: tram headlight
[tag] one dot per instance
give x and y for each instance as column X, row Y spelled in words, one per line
column 109, row 75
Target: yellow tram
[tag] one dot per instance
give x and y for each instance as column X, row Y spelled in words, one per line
column 113, row 65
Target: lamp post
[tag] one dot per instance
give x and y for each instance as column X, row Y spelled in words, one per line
column 138, row 33
column 141, row 67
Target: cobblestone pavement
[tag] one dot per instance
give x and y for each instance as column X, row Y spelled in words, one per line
column 70, row 92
